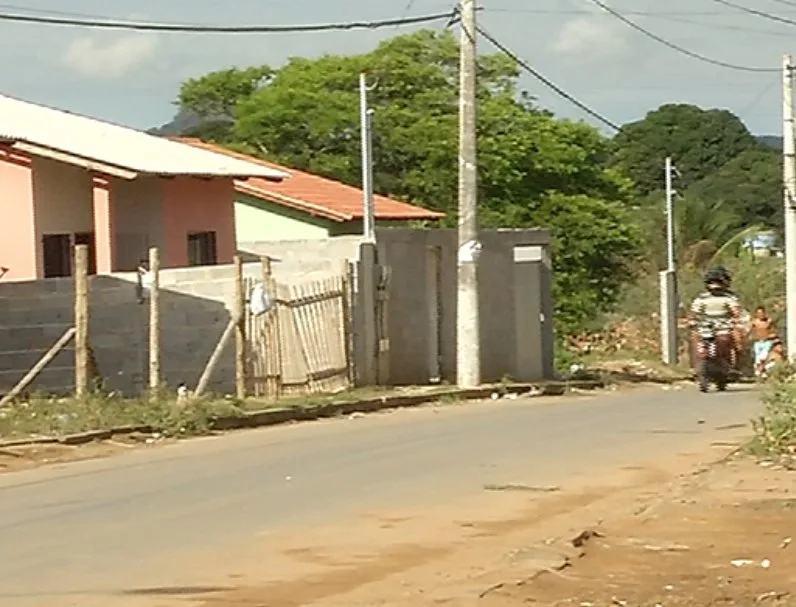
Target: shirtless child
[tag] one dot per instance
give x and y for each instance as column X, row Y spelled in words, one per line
column 763, row 335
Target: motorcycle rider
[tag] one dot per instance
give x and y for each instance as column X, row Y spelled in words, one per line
column 718, row 308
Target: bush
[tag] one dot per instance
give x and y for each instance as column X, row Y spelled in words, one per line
column 775, row 430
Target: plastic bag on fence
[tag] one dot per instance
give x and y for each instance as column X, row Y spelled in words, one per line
column 260, row 302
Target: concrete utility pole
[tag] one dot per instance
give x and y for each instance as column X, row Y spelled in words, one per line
column 668, row 278
column 366, row 128
column 789, row 182
column 468, row 337
column 669, row 169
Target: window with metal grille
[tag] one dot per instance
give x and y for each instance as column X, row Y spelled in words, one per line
column 202, row 249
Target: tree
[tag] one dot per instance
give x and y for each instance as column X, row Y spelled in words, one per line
column 597, row 243
column 700, row 142
column 751, row 183
column 212, row 100
column 306, row 115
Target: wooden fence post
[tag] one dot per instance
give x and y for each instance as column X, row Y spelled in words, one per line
column 239, row 315
column 82, row 355
column 348, row 337
column 273, row 345
column 212, row 363
column 154, row 322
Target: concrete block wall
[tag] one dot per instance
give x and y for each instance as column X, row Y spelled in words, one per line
column 502, row 302
column 300, row 260
column 195, row 309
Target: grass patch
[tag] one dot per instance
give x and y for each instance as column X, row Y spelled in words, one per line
column 48, row 416
column 775, row 429
column 42, row 415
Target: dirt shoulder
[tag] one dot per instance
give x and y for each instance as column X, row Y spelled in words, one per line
column 643, row 536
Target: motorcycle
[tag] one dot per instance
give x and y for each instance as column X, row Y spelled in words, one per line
column 713, row 365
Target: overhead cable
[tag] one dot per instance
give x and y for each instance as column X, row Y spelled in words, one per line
column 546, row 81
column 144, row 26
column 680, row 49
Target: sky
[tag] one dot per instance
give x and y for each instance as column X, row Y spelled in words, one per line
column 132, row 78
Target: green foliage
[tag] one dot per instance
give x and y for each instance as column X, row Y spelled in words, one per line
column 534, row 170
column 757, row 282
column 751, row 182
column 702, row 227
column 775, row 430
column 700, row 141
column 47, row 416
column 597, row 243
column 216, row 95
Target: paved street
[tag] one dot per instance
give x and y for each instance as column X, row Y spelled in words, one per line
column 105, row 525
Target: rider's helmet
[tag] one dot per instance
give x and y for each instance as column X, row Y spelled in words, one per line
column 717, row 278
column 726, row 276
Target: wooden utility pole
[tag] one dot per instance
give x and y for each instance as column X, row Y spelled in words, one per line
column 154, row 322
column 82, row 353
column 239, row 315
column 468, row 339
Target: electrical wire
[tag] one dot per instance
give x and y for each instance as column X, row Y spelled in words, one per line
column 757, row 99
column 785, row 2
column 752, row 11
column 725, row 27
column 635, row 13
column 220, row 29
column 546, row 81
column 675, row 47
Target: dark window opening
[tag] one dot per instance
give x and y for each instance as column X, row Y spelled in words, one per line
column 57, row 250
column 202, row 249
column 58, row 253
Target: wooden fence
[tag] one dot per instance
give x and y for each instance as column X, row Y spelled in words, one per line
column 302, row 345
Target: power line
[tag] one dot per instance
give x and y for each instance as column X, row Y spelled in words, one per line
column 675, row 47
column 752, row 11
column 546, row 81
column 635, row 13
column 785, row 2
column 220, row 29
column 722, row 26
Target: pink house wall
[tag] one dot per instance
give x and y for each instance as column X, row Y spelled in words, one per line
column 18, row 250
column 185, row 205
column 198, row 205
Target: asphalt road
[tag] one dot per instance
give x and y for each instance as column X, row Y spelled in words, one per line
column 99, row 526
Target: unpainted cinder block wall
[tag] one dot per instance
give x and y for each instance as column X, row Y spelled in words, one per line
column 194, row 306
column 515, row 305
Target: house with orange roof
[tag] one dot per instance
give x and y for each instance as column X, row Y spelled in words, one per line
column 67, row 180
column 304, row 206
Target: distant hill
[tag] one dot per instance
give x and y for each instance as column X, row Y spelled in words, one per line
column 183, row 122
column 771, row 141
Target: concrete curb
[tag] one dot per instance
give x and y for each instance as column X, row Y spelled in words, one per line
column 283, row 415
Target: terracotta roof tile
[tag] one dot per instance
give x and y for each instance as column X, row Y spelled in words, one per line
column 317, row 195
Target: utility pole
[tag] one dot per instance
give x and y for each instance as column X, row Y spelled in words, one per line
column 789, row 182
column 668, row 278
column 468, row 337
column 669, row 216
column 366, row 128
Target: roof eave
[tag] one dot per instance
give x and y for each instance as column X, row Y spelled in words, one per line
column 234, row 176
column 298, row 205
column 66, row 157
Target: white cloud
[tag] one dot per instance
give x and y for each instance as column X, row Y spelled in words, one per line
column 590, row 38
column 92, row 58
